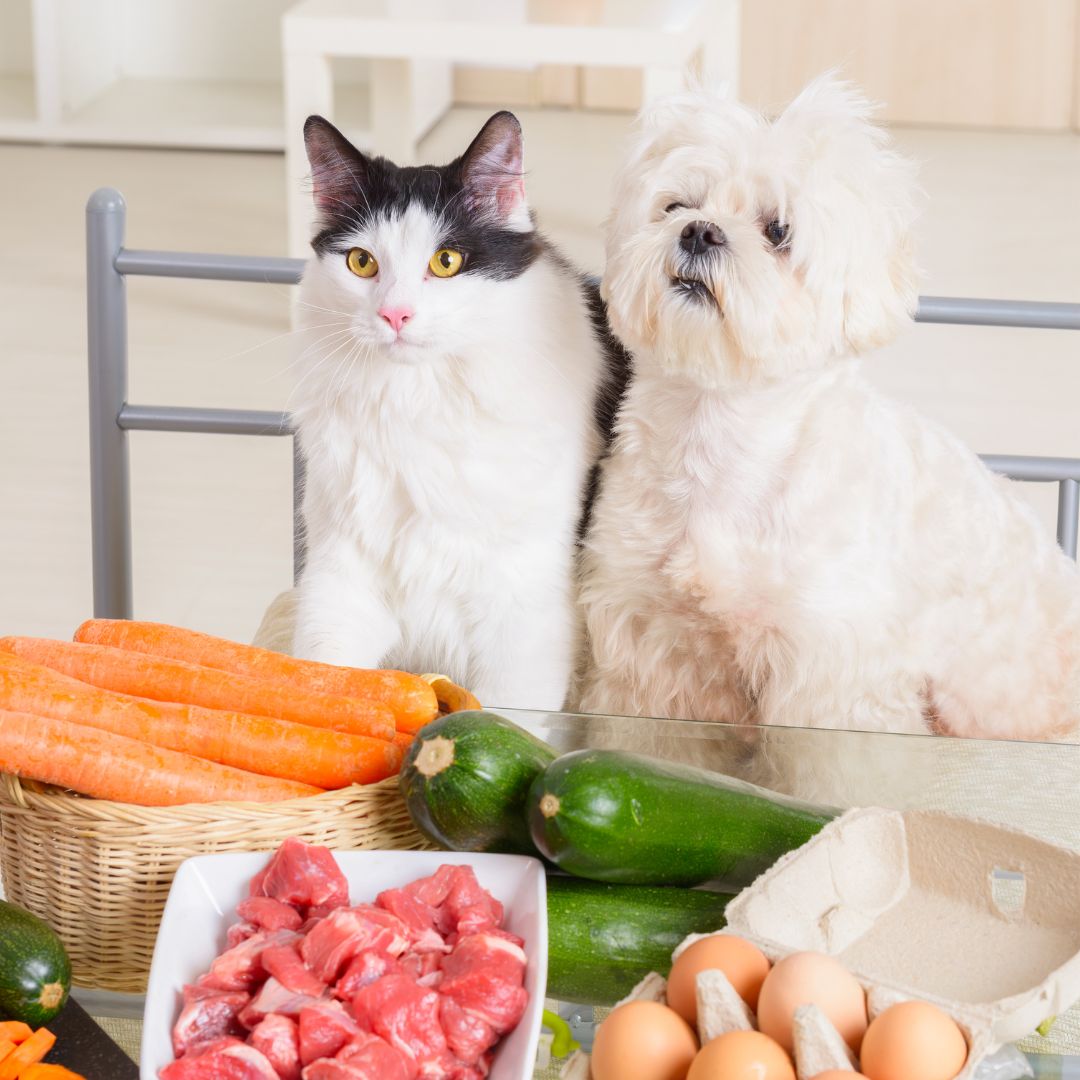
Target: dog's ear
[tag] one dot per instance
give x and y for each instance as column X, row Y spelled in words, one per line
column 863, row 194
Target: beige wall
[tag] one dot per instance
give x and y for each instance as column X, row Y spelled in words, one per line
column 967, row 63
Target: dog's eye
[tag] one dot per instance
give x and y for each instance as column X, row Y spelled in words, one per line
column 776, row 232
column 674, row 206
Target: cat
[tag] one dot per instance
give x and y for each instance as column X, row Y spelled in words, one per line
column 456, row 394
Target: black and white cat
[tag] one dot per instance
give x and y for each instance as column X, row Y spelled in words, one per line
column 456, row 393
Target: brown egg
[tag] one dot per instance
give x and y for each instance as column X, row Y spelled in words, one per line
column 643, row 1040
column 744, row 965
column 811, row 978
column 742, row 1055
column 839, row 1074
column 913, row 1041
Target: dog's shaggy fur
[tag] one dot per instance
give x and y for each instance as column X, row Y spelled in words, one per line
column 774, row 542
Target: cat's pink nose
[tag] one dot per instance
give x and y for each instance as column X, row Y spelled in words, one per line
column 397, row 317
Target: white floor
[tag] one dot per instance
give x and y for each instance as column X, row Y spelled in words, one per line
column 212, row 514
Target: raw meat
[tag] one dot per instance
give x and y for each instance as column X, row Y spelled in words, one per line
column 283, row 962
column 346, row 933
column 404, row 1014
column 303, row 875
column 206, row 1018
column 240, row 967
column 419, row 985
column 274, row 998
column 467, row 1036
column 277, row 1038
column 484, row 975
column 269, row 914
column 324, row 1029
column 230, row 1061
column 374, row 1057
column 364, row 970
column 418, row 916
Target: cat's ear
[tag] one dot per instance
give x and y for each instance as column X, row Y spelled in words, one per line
column 338, row 169
column 493, row 169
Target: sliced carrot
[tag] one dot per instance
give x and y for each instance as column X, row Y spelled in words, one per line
column 164, row 679
column 412, row 700
column 15, row 1030
column 259, row 744
column 6, row 1047
column 42, row 1071
column 108, row 766
column 27, row 1053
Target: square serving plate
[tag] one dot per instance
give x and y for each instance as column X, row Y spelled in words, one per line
column 207, row 888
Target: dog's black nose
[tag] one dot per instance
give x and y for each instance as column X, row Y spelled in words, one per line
column 700, row 237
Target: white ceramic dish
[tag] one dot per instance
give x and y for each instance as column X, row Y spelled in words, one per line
column 207, row 888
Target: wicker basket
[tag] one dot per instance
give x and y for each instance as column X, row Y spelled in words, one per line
column 99, row 871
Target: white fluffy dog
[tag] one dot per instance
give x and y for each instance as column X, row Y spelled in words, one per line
column 774, row 542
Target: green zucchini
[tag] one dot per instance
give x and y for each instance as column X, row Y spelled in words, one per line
column 604, row 939
column 617, row 817
column 35, row 972
column 466, row 779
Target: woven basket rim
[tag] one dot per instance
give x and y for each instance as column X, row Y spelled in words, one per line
column 19, row 794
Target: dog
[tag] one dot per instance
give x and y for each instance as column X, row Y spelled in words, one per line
column 774, row 542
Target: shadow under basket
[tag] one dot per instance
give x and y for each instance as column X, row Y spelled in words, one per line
column 99, row 872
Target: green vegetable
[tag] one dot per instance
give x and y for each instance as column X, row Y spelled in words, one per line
column 1046, row 1027
column 617, row 817
column 604, row 939
column 564, row 1042
column 35, row 973
column 466, row 779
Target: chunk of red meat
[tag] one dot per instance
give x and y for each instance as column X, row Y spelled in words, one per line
column 278, row 1040
column 303, row 875
column 269, row 914
column 284, row 963
column 432, row 890
column 467, row 1036
column 421, row 966
column 417, row 916
column 404, row 1014
column 494, row 955
column 324, row 1029
column 468, row 907
column 198, row 991
column 206, row 1018
column 238, row 932
column 494, row 1000
column 231, row 1060
column 346, row 932
column 240, row 967
column 362, row 971
column 274, row 998
column 376, row 1059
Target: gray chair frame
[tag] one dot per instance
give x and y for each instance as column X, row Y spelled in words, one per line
column 112, row 416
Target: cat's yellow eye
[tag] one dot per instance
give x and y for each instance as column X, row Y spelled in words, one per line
column 362, row 263
column 446, row 262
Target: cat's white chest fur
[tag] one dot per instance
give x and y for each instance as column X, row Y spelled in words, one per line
column 444, row 493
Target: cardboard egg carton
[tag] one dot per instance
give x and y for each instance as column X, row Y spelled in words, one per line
column 980, row 920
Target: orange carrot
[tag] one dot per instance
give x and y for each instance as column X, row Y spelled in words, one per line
column 6, row 1047
column 15, row 1031
column 28, row 1053
column 403, row 740
column 259, row 744
column 49, row 1072
column 412, row 700
column 165, row 679
column 109, row 766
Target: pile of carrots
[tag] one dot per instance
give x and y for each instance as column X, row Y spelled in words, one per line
column 157, row 715
column 21, row 1051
